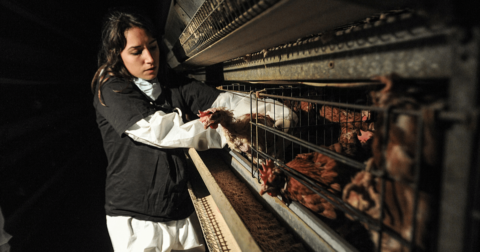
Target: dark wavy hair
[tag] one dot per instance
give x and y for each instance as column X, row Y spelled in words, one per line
column 110, row 63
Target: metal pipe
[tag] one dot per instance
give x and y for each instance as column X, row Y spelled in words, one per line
column 329, row 153
column 416, row 179
column 386, row 127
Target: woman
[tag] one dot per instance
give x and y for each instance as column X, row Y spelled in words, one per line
column 147, row 201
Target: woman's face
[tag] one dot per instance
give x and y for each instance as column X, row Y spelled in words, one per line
column 141, row 55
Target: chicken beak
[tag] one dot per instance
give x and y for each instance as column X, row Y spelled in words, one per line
column 269, row 190
column 210, row 124
column 262, row 192
column 264, row 188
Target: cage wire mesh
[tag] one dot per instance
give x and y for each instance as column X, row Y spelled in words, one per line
column 362, row 162
column 217, row 18
column 366, row 159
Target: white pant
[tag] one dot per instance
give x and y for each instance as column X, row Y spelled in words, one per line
column 4, row 236
column 5, row 248
column 132, row 235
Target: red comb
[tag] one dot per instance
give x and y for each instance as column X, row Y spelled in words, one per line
column 205, row 117
column 366, row 135
column 204, row 113
column 267, row 170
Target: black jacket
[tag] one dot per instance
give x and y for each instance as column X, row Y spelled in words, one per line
column 145, row 182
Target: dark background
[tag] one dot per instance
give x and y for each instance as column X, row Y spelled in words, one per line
column 52, row 163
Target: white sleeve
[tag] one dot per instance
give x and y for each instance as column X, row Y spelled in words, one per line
column 240, row 104
column 168, row 131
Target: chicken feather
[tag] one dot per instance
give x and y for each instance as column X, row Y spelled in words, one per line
column 325, row 171
column 238, row 132
column 363, row 193
column 396, row 156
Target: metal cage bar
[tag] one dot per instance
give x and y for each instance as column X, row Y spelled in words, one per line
column 373, row 224
column 216, row 19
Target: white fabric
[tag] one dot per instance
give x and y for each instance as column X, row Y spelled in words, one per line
column 131, row 235
column 4, row 236
column 5, row 247
column 168, row 130
column 240, row 104
column 151, row 88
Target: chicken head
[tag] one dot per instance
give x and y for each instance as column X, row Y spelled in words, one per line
column 206, row 118
column 273, row 180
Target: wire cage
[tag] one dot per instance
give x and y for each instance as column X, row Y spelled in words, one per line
column 217, row 18
column 378, row 156
column 409, row 183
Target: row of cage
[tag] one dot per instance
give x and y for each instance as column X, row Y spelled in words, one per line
column 364, row 157
column 376, row 161
column 217, row 18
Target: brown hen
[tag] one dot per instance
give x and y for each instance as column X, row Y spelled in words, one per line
column 351, row 145
column 363, row 193
column 304, row 109
column 239, row 134
column 356, row 132
column 398, row 157
column 349, row 121
column 325, row 171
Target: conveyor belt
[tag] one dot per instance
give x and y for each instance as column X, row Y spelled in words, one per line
column 215, row 230
column 225, row 212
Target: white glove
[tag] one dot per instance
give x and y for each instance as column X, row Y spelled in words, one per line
column 168, row 131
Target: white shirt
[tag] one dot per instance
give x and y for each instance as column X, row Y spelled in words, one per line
column 151, row 88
